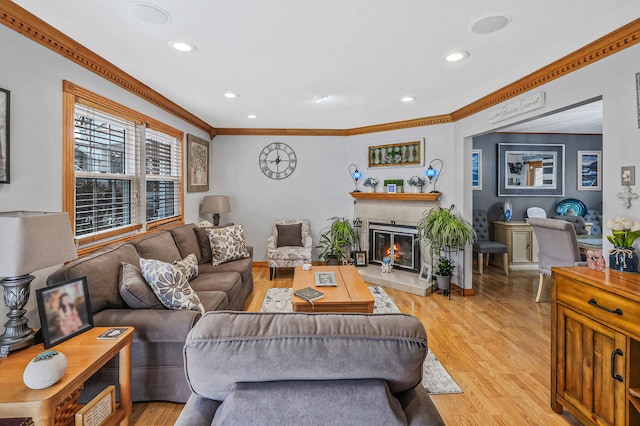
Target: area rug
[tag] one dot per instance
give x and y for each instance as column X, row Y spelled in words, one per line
column 435, row 378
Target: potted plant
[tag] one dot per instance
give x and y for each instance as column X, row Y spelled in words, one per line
column 416, row 183
column 440, row 229
column 443, row 272
column 335, row 240
column 369, row 184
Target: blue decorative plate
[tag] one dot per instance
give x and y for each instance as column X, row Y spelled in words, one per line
column 571, row 206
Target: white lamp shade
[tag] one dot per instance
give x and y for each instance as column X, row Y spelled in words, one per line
column 30, row 241
column 215, row 204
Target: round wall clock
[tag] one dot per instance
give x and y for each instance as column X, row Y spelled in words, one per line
column 277, row 160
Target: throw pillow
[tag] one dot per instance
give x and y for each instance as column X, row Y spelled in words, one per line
column 227, row 244
column 289, row 235
column 188, row 266
column 170, row 285
column 203, row 241
column 134, row 290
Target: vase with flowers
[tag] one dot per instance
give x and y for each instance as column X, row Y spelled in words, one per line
column 369, row 184
column 416, row 183
column 624, row 232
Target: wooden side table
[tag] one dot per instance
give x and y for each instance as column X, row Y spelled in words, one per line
column 85, row 355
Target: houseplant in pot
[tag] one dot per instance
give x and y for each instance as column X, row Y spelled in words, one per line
column 443, row 272
column 369, row 184
column 336, row 240
column 441, row 230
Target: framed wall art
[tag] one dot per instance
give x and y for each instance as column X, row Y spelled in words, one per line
column 628, row 175
column 4, row 135
column 197, row 164
column 64, row 311
column 410, row 153
column 476, row 169
column 530, row 170
column 589, row 170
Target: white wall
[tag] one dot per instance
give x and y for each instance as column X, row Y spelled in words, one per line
column 34, row 75
column 319, row 188
column 612, row 78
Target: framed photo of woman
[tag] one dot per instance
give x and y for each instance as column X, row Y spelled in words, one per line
column 64, row 310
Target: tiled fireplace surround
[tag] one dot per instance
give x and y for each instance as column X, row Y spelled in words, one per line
column 388, row 209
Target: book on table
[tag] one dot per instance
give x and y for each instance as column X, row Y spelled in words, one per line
column 309, row 294
column 112, row 333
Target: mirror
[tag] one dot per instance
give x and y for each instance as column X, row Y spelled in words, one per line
column 530, row 170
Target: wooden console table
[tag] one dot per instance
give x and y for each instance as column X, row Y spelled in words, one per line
column 85, row 355
column 595, row 345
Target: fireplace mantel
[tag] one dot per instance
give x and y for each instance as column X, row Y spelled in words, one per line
column 426, row 196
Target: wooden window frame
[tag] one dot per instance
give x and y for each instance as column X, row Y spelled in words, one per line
column 73, row 94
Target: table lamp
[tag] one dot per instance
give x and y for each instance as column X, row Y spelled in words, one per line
column 215, row 204
column 355, row 175
column 432, row 172
column 29, row 241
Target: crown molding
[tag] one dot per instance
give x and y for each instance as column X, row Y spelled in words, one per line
column 611, row 43
column 278, row 132
column 29, row 25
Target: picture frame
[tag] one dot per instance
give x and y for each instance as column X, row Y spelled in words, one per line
column 65, row 311
column 476, row 169
column 359, row 258
column 628, row 175
column 5, row 104
column 589, row 170
column 99, row 409
column 399, row 154
column 392, row 188
column 197, row 164
column 530, row 170
column 425, row 273
column 325, row 279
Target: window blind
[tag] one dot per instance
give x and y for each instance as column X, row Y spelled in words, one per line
column 105, row 168
column 163, row 170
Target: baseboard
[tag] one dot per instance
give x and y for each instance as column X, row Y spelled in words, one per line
column 465, row 292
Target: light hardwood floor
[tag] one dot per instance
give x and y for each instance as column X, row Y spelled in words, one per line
column 495, row 345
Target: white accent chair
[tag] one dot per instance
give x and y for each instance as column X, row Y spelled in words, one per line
column 290, row 247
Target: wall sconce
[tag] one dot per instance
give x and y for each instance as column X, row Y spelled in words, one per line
column 355, row 175
column 432, row 172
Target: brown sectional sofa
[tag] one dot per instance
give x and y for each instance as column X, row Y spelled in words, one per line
column 157, row 371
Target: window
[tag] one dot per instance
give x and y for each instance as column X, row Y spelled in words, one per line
column 123, row 170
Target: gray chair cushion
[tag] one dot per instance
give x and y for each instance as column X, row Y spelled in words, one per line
column 311, row 403
column 290, row 235
column 489, row 247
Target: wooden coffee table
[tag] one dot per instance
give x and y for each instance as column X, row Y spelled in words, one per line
column 350, row 295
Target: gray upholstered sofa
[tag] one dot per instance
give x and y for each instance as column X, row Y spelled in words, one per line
column 306, row 369
column 157, row 364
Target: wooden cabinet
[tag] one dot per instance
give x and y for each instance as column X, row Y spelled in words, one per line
column 522, row 244
column 595, row 345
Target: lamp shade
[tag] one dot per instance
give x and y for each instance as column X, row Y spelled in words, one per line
column 215, row 204
column 30, row 241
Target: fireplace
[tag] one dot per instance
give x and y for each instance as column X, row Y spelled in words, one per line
column 397, row 242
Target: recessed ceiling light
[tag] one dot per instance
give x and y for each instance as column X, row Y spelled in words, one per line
column 458, row 55
column 231, row 95
column 489, row 24
column 149, row 13
column 183, row 46
column 408, row 99
column 252, row 116
column 319, row 98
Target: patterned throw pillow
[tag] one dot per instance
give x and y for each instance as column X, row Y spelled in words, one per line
column 227, row 244
column 170, row 285
column 134, row 290
column 188, row 266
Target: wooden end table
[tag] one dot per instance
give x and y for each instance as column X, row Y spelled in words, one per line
column 350, row 295
column 85, row 355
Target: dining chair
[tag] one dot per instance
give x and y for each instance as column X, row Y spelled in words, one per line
column 557, row 246
column 484, row 245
